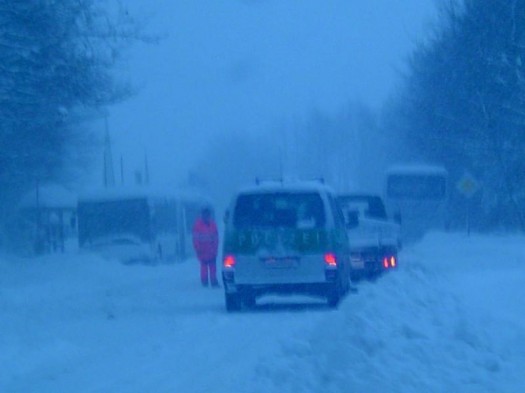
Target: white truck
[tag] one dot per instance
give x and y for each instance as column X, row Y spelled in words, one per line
column 374, row 238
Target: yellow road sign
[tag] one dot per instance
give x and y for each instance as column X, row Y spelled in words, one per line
column 468, row 185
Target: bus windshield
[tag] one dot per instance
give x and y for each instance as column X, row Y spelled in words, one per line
column 102, row 219
column 418, row 195
column 417, row 187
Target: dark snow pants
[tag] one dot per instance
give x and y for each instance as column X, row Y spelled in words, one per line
column 209, row 272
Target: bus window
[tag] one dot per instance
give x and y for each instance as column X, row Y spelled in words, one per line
column 164, row 215
column 419, row 196
column 102, row 219
column 416, row 186
column 138, row 226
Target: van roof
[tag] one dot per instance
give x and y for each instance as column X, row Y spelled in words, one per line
column 288, row 186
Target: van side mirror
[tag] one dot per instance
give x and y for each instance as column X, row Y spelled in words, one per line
column 352, row 219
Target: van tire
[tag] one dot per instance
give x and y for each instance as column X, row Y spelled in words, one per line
column 159, row 257
column 233, row 302
column 347, row 283
column 333, row 299
column 248, row 300
column 333, row 295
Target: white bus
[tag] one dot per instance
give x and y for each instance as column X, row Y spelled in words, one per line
column 138, row 225
column 418, row 195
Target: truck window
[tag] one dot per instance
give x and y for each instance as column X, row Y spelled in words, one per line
column 365, row 205
column 376, row 208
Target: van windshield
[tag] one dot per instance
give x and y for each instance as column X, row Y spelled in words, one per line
column 279, row 210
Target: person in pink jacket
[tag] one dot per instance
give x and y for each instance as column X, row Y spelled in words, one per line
column 206, row 243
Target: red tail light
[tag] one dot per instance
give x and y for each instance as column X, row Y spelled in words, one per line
column 229, row 261
column 393, row 261
column 389, row 262
column 330, row 259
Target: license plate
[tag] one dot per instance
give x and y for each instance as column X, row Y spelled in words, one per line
column 281, row 263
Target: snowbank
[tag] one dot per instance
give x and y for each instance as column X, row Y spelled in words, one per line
column 450, row 320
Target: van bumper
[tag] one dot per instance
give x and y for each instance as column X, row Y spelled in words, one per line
column 314, row 289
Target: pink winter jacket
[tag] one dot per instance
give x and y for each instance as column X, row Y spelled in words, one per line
column 205, row 240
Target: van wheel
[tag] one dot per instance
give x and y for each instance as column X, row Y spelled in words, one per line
column 233, row 302
column 249, row 300
column 348, row 283
column 158, row 254
column 333, row 299
column 333, row 296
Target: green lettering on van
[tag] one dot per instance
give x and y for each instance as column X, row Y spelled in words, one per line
column 303, row 241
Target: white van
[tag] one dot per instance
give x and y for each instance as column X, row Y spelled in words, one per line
column 284, row 238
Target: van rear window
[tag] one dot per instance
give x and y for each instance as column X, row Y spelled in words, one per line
column 279, row 210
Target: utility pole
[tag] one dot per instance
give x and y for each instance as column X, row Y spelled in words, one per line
column 109, row 175
column 39, row 240
column 468, row 186
column 146, row 169
column 121, row 170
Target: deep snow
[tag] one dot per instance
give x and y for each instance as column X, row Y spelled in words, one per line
column 449, row 320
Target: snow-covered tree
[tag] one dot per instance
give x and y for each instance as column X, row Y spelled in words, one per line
column 56, row 59
column 346, row 149
column 464, row 99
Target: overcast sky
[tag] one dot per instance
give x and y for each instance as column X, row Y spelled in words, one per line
column 250, row 66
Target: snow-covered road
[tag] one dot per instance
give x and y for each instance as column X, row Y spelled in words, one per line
column 449, row 320
column 82, row 324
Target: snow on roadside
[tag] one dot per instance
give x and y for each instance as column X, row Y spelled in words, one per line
column 43, row 303
column 83, row 324
column 449, row 320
